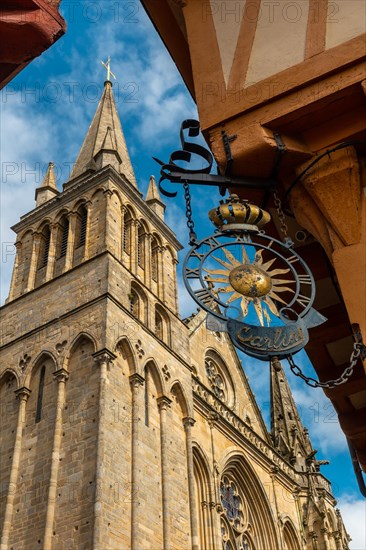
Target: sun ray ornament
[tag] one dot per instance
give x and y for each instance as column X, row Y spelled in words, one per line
column 253, row 286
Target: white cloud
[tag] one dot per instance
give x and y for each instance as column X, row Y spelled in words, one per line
column 27, row 144
column 51, row 123
column 317, row 411
column 354, row 516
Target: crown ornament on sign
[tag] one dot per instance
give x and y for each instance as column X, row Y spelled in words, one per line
column 237, row 214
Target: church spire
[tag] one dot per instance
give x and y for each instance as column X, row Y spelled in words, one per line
column 289, row 435
column 105, row 143
column 48, row 188
column 153, row 198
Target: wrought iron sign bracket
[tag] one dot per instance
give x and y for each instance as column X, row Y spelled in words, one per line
column 175, row 173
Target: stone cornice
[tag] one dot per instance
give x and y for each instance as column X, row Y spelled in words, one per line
column 100, row 298
column 225, row 420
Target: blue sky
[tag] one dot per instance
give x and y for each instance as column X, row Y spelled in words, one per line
column 45, row 113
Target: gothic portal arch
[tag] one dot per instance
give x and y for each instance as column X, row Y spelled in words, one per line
column 245, row 506
column 290, row 537
column 204, row 494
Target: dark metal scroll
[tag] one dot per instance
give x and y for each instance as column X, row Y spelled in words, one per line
column 175, row 173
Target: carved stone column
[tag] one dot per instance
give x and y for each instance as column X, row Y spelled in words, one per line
column 161, row 282
column 14, row 277
column 216, row 505
column 52, row 252
column 61, row 376
column 103, row 358
column 175, row 263
column 70, row 241
column 188, row 422
column 108, row 244
column 147, row 252
column 279, row 524
column 134, row 245
column 136, row 382
column 22, row 395
column 87, row 232
column 164, row 404
column 324, row 532
column 34, row 261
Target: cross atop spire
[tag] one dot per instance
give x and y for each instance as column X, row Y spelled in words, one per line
column 107, row 66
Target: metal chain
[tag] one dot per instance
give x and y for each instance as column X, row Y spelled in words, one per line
column 281, row 217
column 190, row 222
column 356, row 353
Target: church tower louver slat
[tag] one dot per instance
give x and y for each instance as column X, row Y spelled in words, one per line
column 127, row 427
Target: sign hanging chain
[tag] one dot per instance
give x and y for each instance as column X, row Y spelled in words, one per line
column 281, row 216
column 190, row 222
column 358, row 349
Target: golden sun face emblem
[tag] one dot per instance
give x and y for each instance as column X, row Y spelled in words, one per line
column 251, row 283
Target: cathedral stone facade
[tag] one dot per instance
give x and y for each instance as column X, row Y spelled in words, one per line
column 124, row 426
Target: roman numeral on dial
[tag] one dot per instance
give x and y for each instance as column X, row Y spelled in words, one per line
column 303, row 300
column 204, row 297
column 192, row 273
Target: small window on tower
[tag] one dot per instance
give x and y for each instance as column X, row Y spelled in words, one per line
column 83, row 221
column 127, row 225
column 64, row 237
column 154, row 260
column 134, row 304
column 40, row 394
column 141, row 247
column 159, row 325
column 45, row 247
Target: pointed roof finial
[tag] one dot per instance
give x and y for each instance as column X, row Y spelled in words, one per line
column 153, row 198
column 49, row 179
column 48, row 188
column 107, row 66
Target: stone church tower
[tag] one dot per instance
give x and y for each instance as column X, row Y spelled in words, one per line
column 124, row 426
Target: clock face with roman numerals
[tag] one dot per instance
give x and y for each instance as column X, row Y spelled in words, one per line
column 249, row 277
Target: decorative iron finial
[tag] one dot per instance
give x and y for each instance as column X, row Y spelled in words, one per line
column 107, row 66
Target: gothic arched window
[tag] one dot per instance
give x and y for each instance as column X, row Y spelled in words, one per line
column 82, row 224
column 62, row 245
column 134, row 304
column 127, row 228
column 147, row 383
column 216, row 379
column 232, row 503
column 44, row 247
column 141, row 247
column 154, row 260
column 159, row 325
column 40, row 394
